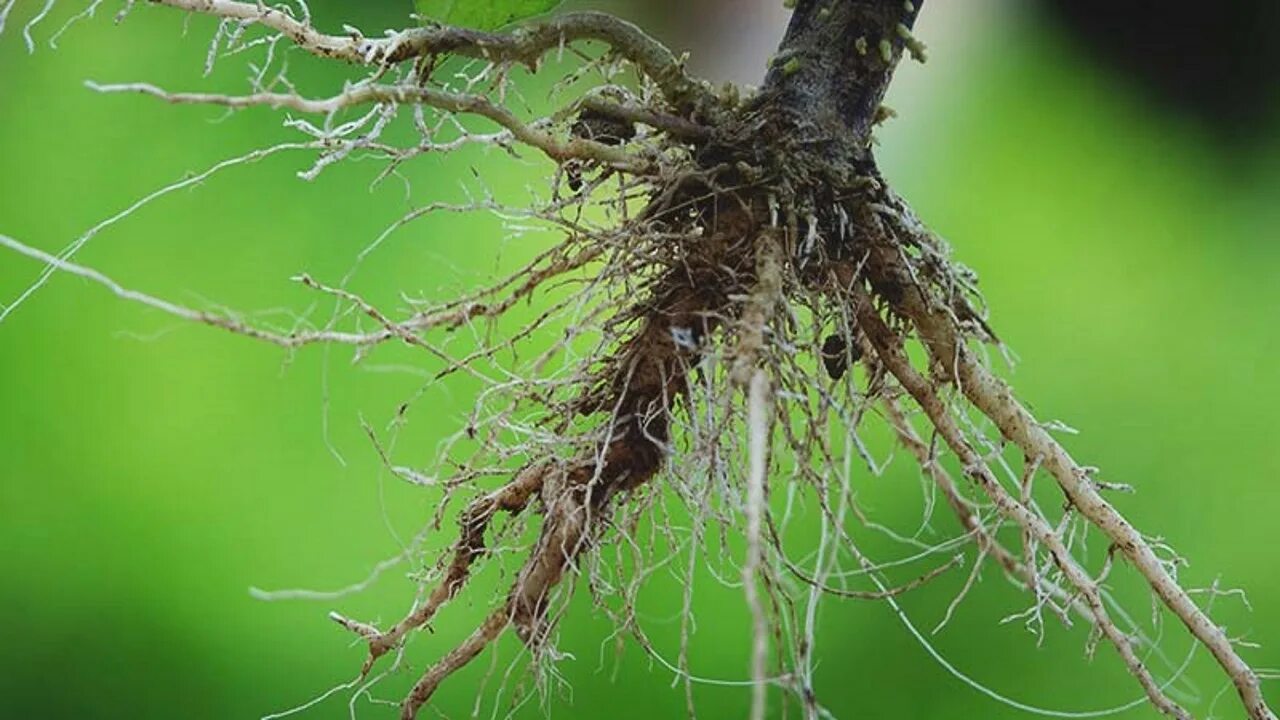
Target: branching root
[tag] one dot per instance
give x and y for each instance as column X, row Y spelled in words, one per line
column 683, row 380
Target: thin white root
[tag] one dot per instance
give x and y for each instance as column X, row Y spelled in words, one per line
column 891, row 353
column 224, row 322
column 938, row 326
column 759, row 414
column 400, row 95
column 994, row 398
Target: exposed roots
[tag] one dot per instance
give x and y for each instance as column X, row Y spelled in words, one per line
column 718, row 256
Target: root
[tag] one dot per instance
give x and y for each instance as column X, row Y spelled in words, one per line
column 637, row 389
column 937, row 326
column 889, row 349
column 470, row 545
column 758, row 419
column 455, row 660
column 747, row 244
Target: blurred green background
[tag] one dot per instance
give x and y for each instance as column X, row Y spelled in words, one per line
column 151, row 472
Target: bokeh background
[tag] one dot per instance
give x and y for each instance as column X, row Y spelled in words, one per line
column 150, row 473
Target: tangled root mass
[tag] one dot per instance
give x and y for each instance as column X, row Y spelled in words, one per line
column 757, row 291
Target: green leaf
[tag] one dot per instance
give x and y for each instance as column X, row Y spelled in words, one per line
column 482, row 14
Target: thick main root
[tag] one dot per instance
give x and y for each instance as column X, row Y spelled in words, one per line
column 635, row 389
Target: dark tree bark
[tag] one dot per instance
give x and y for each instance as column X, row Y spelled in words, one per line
column 832, row 69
